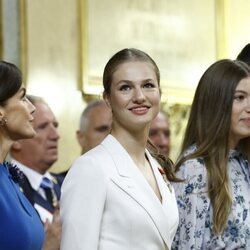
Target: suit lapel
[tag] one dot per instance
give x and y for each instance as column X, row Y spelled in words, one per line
column 33, row 196
column 131, row 181
column 162, row 184
column 38, row 199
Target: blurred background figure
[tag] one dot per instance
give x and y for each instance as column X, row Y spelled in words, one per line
column 159, row 133
column 35, row 157
column 95, row 124
column 244, row 55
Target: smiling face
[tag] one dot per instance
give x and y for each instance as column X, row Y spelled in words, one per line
column 134, row 95
column 18, row 113
column 240, row 119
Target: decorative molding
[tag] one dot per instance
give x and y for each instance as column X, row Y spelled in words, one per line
column 23, row 39
column 221, row 29
column 83, row 46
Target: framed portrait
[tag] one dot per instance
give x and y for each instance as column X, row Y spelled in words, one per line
column 179, row 35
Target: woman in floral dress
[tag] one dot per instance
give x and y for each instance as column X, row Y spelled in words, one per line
column 214, row 197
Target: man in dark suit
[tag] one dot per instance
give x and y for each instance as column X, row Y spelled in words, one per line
column 35, row 157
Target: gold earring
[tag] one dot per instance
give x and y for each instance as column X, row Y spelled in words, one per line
column 3, row 122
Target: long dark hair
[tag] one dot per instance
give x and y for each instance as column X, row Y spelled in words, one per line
column 10, row 81
column 209, row 127
column 244, row 55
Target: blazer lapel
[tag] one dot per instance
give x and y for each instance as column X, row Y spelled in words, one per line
column 33, row 196
column 131, row 181
column 38, row 199
column 162, row 184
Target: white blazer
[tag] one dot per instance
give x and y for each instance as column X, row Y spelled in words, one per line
column 107, row 204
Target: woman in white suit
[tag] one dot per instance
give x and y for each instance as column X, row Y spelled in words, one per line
column 114, row 196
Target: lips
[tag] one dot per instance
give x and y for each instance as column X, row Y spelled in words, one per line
column 52, row 146
column 246, row 120
column 139, row 110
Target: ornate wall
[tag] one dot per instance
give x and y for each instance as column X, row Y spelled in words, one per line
column 62, row 45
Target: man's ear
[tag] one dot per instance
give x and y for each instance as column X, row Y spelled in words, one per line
column 16, row 146
column 79, row 136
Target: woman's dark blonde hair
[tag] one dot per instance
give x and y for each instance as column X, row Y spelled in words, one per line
column 209, row 127
column 128, row 55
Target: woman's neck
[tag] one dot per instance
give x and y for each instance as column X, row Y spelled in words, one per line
column 4, row 149
column 134, row 143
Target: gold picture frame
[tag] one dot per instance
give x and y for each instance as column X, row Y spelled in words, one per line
column 22, row 5
column 173, row 36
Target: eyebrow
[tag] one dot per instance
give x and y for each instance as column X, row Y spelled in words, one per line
column 240, row 91
column 128, row 81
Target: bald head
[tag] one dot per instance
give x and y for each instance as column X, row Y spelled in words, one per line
column 95, row 125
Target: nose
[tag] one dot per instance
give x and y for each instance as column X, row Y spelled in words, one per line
column 164, row 143
column 54, row 135
column 138, row 96
column 31, row 107
column 163, row 139
column 248, row 105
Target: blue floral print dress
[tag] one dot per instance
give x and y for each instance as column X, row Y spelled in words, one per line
column 195, row 211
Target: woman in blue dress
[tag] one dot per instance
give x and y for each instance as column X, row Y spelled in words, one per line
column 213, row 199
column 20, row 226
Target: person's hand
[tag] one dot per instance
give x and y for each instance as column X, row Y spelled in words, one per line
column 53, row 232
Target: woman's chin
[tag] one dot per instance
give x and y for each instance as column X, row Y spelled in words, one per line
column 30, row 134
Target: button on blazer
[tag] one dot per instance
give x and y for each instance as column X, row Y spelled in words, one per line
column 107, row 204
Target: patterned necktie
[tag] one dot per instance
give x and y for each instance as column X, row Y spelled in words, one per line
column 47, row 186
